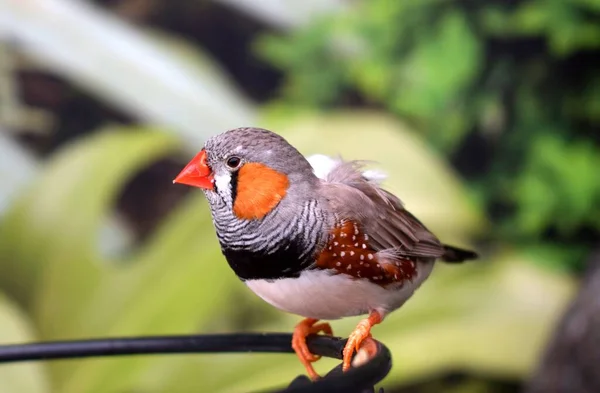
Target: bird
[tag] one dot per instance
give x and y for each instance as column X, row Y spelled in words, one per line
column 318, row 237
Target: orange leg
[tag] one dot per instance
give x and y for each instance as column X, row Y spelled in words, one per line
column 304, row 328
column 361, row 334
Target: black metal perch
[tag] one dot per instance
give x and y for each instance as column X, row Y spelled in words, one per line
column 357, row 380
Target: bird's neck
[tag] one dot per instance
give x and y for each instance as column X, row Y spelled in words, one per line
column 280, row 245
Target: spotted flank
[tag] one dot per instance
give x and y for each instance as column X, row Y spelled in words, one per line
column 348, row 252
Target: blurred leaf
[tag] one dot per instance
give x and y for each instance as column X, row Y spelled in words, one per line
column 585, row 106
column 508, row 312
column 561, row 22
column 416, row 174
column 312, row 82
column 286, row 14
column 430, row 89
column 65, row 222
column 532, row 17
column 121, row 64
column 482, row 83
column 592, row 5
column 559, row 177
column 23, row 377
column 427, row 82
column 78, row 293
column 17, row 168
column 558, row 257
column 178, row 284
column 383, row 50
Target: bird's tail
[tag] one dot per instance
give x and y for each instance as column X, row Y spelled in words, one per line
column 457, row 255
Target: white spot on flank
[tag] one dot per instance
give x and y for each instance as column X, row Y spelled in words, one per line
column 335, row 243
column 338, row 264
column 353, row 238
column 342, row 254
column 351, row 253
column 355, row 244
column 378, row 265
column 348, row 267
column 334, row 254
column 362, row 257
column 370, row 256
column 364, row 246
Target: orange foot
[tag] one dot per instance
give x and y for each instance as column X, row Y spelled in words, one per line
column 360, row 335
column 303, row 329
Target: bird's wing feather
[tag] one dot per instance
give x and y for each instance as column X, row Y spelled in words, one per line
column 389, row 225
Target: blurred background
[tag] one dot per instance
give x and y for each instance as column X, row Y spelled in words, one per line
column 485, row 115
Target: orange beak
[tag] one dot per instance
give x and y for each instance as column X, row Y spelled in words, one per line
column 197, row 173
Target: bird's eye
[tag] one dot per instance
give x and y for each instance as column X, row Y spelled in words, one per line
column 233, row 162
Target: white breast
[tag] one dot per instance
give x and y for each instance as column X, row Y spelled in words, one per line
column 321, row 295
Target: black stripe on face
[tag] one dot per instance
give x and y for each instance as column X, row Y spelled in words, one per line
column 234, row 186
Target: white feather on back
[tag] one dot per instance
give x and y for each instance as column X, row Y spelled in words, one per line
column 323, row 164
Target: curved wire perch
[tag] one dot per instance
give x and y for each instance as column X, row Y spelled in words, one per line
column 359, row 379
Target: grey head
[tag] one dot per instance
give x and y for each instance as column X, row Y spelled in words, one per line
column 228, row 152
column 281, row 239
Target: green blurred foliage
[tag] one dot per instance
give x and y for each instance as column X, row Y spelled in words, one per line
column 519, row 75
column 478, row 316
column 449, row 69
column 15, row 326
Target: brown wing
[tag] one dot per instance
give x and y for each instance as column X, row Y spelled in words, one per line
column 390, row 227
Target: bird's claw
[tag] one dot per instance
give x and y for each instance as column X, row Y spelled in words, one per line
column 302, row 330
column 355, row 340
column 361, row 335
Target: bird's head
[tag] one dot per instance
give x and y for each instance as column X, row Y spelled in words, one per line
column 249, row 170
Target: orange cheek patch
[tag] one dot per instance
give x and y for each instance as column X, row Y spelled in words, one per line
column 259, row 190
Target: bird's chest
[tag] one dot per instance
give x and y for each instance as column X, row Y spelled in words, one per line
column 279, row 246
